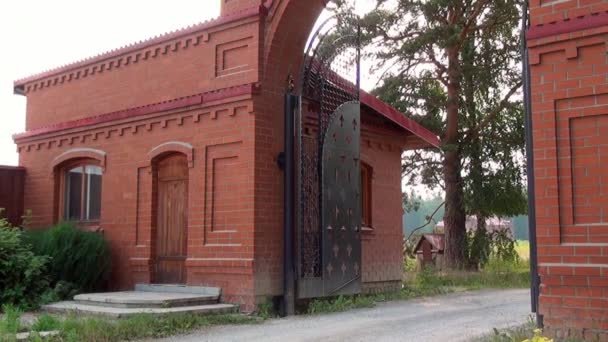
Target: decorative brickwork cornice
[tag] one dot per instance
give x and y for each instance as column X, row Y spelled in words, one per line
column 145, row 124
column 134, row 53
column 591, row 21
column 194, row 100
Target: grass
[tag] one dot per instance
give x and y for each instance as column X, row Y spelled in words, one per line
column 513, row 334
column 46, row 322
column 496, row 274
column 10, row 324
column 527, row 333
column 430, row 282
column 523, row 249
column 76, row 328
column 340, row 303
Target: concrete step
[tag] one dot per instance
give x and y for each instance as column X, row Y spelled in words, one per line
column 113, row 312
column 203, row 290
column 145, row 299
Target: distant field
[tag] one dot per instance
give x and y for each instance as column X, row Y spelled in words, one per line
column 523, row 249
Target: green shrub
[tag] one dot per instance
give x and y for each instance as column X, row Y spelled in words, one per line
column 79, row 259
column 23, row 274
column 340, row 303
column 46, row 322
column 10, row 324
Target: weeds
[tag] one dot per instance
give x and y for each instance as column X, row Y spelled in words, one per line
column 266, row 310
column 431, row 282
column 525, row 333
column 46, row 322
column 141, row 326
column 11, row 322
column 76, row 328
column 340, row 303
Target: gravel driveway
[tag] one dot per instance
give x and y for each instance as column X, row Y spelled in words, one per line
column 454, row 317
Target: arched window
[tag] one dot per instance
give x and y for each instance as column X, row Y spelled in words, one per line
column 366, row 195
column 80, row 191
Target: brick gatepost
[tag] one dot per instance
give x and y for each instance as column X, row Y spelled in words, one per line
column 569, row 94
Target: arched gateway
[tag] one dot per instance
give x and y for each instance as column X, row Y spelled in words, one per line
column 219, row 89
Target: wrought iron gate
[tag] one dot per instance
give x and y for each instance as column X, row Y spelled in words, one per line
column 328, row 129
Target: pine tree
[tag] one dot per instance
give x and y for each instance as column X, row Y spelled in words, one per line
column 453, row 65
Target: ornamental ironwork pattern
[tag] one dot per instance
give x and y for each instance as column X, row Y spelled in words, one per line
column 328, row 261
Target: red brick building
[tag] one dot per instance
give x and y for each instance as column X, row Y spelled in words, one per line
column 170, row 147
column 567, row 42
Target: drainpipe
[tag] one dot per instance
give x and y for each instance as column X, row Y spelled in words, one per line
column 535, row 279
column 288, row 300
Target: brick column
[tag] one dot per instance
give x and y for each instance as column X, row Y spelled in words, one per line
column 569, row 70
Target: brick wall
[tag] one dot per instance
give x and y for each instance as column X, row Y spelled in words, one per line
column 215, row 93
column 199, row 59
column 222, row 158
column 286, row 29
column 569, row 70
column 382, row 248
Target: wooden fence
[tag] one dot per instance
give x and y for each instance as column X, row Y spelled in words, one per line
column 12, row 181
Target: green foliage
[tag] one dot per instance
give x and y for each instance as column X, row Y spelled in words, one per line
column 10, row 324
column 23, row 276
column 495, row 274
column 482, row 246
column 454, row 67
column 80, row 260
column 504, row 246
column 340, row 303
column 46, row 322
column 525, row 333
column 75, row 328
column 266, row 310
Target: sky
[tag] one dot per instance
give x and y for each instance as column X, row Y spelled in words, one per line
column 40, row 34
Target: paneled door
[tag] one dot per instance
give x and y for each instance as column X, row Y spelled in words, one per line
column 172, row 219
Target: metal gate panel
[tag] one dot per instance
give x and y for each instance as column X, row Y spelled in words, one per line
column 341, row 202
column 328, row 244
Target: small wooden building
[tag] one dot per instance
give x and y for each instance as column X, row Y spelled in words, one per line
column 429, row 250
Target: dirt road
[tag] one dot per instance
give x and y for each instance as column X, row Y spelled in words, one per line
column 455, row 317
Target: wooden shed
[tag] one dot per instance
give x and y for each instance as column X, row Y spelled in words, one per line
column 429, row 250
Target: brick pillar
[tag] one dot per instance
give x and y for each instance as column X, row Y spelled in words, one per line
column 233, row 6
column 569, row 88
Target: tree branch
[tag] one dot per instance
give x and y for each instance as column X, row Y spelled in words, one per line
column 428, row 221
column 474, row 132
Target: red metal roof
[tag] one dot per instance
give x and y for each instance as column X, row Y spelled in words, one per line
column 436, row 240
column 399, row 118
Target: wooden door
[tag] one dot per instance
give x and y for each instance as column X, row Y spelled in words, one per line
column 172, row 219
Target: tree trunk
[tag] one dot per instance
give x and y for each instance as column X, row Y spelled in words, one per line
column 478, row 248
column 454, row 218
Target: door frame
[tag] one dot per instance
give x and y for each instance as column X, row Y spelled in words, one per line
column 154, row 212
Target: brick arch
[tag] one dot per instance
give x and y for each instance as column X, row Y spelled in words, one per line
column 291, row 23
column 80, row 153
column 173, row 146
